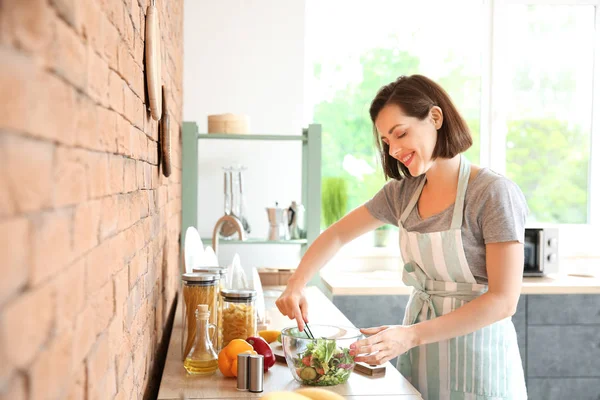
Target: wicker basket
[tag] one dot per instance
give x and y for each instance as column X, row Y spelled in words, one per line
column 228, row 123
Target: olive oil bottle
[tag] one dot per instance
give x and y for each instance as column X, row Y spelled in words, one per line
column 202, row 358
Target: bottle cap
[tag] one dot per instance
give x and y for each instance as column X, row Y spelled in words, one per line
column 202, row 311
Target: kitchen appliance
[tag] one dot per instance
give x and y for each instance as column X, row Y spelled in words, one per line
column 278, row 223
column 541, row 251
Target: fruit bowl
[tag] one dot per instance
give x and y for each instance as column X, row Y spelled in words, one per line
column 322, row 361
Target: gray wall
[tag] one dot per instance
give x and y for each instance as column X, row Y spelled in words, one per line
column 559, row 339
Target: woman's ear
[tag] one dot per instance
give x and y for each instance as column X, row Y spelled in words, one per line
column 437, row 116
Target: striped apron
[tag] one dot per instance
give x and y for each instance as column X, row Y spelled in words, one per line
column 481, row 365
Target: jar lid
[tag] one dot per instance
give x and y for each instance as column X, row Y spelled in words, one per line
column 212, row 270
column 238, row 293
column 198, row 277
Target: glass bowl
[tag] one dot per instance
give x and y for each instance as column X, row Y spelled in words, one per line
column 323, row 361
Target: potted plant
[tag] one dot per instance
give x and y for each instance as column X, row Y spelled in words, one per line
column 382, row 235
column 334, row 200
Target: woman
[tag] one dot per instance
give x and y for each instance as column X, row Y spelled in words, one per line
column 461, row 239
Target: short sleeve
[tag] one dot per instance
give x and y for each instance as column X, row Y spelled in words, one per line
column 504, row 212
column 385, row 204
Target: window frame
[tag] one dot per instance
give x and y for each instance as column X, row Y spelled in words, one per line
column 494, row 95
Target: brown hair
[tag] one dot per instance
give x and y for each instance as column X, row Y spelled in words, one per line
column 416, row 95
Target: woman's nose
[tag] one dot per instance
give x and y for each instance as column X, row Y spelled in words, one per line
column 394, row 149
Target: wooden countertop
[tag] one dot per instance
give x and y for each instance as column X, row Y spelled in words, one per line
column 390, row 283
column 176, row 382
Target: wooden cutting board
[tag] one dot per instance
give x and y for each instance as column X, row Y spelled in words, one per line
column 153, row 60
column 362, row 368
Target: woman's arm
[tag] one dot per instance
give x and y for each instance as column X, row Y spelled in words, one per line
column 505, row 275
column 354, row 224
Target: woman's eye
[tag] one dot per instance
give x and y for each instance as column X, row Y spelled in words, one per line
column 398, row 136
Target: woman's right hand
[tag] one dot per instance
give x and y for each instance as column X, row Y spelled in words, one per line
column 292, row 303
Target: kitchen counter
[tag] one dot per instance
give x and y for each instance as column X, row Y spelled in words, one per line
column 177, row 384
column 390, row 283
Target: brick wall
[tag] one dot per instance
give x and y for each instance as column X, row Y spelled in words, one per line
column 88, row 224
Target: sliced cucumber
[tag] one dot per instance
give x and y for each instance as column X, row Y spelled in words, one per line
column 308, row 374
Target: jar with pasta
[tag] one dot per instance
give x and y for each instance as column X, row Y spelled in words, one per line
column 197, row 289
column 220, row 273
column 239, row 315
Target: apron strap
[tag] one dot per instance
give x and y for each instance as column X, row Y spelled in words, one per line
column 413, row 200
column 459, row 203
column 463, row 180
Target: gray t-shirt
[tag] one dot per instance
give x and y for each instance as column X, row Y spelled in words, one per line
column 495, row 211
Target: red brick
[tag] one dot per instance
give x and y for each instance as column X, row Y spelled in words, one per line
column 70, row 295
column 129, row 105
column 70, row 180
column 117, row 178
column 123, row 135
column 97, row 87
column 84, row 334
column 136, row 16
column 28, row 179
column 149, row 171
column 98, row 175
column 77, row 390
column 138, row 50
column 15, row 237
column 115, row 336
column 86, row 124
column 130, row 176
column 135, row 143
column 129, row 30
column 110, row 217
column 133, row 304
column 130, row 244
column 112, row 41
column 138, row 111
column 23, row 337
column 86, row 226
column 126, row 385
column 107, row 132
column 68, row 54
column 92, row 24
column 51, row 370
column 98, row 362
column 98, row 268
column 139, row 173
column 26, row 24
column 70, row 11
column 102, row 303
column 51, row 244
column 136, row 266
column 121, row 289
column 116, row 14
column 116, row 90
column 16, row 388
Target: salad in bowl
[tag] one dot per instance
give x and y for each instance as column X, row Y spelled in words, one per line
column 322, row 361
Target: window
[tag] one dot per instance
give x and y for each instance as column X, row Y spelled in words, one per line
column 549, row 115
column 382, row 41
column 522, row 73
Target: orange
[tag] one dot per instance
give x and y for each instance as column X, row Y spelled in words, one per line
column 234, row 364
column 269, row 336
column 235, row 347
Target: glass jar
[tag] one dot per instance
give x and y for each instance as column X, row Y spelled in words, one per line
column 220, row 273
column 197, row 289
column 239, row 314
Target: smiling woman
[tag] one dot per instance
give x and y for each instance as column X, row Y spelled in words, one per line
column 461, row 237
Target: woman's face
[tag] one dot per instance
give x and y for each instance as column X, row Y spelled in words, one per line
column 411, row 141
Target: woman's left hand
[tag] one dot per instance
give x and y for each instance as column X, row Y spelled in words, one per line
column 383, row 344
